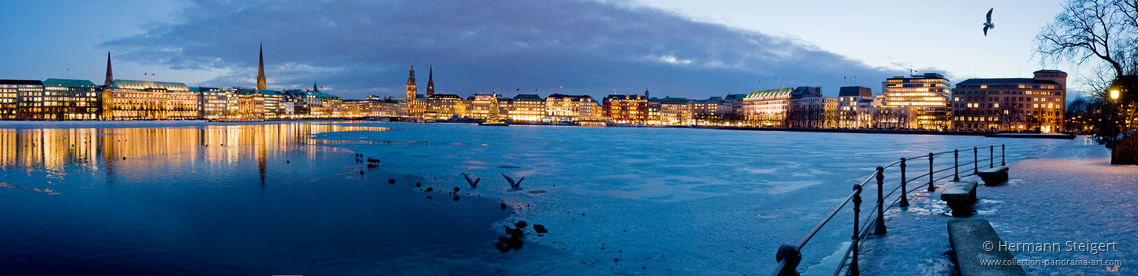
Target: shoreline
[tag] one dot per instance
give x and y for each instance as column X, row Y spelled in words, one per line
column 836, row 130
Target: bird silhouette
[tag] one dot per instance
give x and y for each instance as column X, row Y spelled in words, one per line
column 473, row 184
column 514, row 186
column 989, row 25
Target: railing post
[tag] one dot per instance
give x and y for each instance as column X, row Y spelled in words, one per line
column 956, row 165
column 792, row 257
column 1002, row 155
column 975, row 161
column 880, row 228
column 857, row 230
column 932, row 188
column 904, row 198
column 991, row 156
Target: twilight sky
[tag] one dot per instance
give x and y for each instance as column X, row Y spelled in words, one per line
column 693, row 49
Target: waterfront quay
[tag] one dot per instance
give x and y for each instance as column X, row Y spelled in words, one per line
column 1065, row 211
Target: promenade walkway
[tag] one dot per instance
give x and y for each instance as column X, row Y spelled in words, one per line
column 1068, row 195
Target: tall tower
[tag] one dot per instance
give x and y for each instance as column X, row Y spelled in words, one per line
column 411, row 90
column 110, row 77
column 431, row 81
column 261, row 69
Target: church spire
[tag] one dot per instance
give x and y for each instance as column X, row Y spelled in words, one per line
column 261, row 69
column 110, row 77
column 431, row 81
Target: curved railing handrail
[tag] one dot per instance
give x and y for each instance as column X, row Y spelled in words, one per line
column 789, row 255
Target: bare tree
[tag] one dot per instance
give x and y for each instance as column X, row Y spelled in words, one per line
column 1104, row 29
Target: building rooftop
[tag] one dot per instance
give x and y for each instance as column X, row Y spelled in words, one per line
column 144, row 85
column 70, row 83
column 855, row 91
column 35, row 82
column 1005, row 81
column 527, row 97
column 445, row 96
column 771, row 92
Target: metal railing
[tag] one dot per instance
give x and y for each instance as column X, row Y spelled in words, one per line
column 788, row 256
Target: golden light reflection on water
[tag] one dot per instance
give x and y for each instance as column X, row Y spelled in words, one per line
column 61, row 149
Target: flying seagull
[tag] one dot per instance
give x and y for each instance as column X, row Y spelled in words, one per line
column 514, row 186
column 989, row 24
column 473, row 184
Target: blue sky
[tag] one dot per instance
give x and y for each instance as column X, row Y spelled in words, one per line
column 693, row 49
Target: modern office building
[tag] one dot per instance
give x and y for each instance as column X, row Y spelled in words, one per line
column 1011, row 104
column 924, row 98
column 13, row 93
column 149, row 100
column 626, row 109
column 66, row 99
column 213, row 102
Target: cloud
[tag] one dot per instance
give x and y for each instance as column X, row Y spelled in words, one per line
column 356, row 48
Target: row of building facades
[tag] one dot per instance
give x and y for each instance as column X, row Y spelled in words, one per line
column 913, row 102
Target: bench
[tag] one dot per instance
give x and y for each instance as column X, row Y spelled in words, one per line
column 994, row 176
column 974, row 241
column 960, row 196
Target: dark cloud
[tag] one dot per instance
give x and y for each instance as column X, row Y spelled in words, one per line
column 358, row 48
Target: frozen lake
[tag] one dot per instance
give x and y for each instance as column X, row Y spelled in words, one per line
column 289, row 198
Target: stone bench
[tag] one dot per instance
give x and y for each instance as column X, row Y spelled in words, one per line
column 977, row 249
column 960, row 196
column 994, row 176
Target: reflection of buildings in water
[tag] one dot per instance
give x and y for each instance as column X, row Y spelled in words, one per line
column 69, row 151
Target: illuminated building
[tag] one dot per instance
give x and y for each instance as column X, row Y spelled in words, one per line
column 258, row 103
column 388, row 107
column 312, row 103
column 709, row 111
column 854, row 107
column 526, row 107
column 925, row 98
column 732, row 109
column 213, row 102
column 430, row 81
column 261, row 82
column 444, row 107
column 812, row 112
column 570, row 107
column 478, row 106
column 415, row 107
column 1011, row 104
column 626, row 109
column 149, row 100
column 675, row 111
column 767, row 108
column 65, row 99
column 802, row 107
column 12, row 92
column 653, row 111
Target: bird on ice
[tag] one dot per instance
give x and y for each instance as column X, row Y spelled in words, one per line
column 514, row 186
column 473, row 184
column 989, row 25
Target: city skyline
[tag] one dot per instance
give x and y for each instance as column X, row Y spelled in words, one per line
column 522, row 54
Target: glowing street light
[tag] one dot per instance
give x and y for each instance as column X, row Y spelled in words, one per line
column 1114, row 94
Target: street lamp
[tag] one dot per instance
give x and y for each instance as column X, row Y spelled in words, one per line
column 1114, row 134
